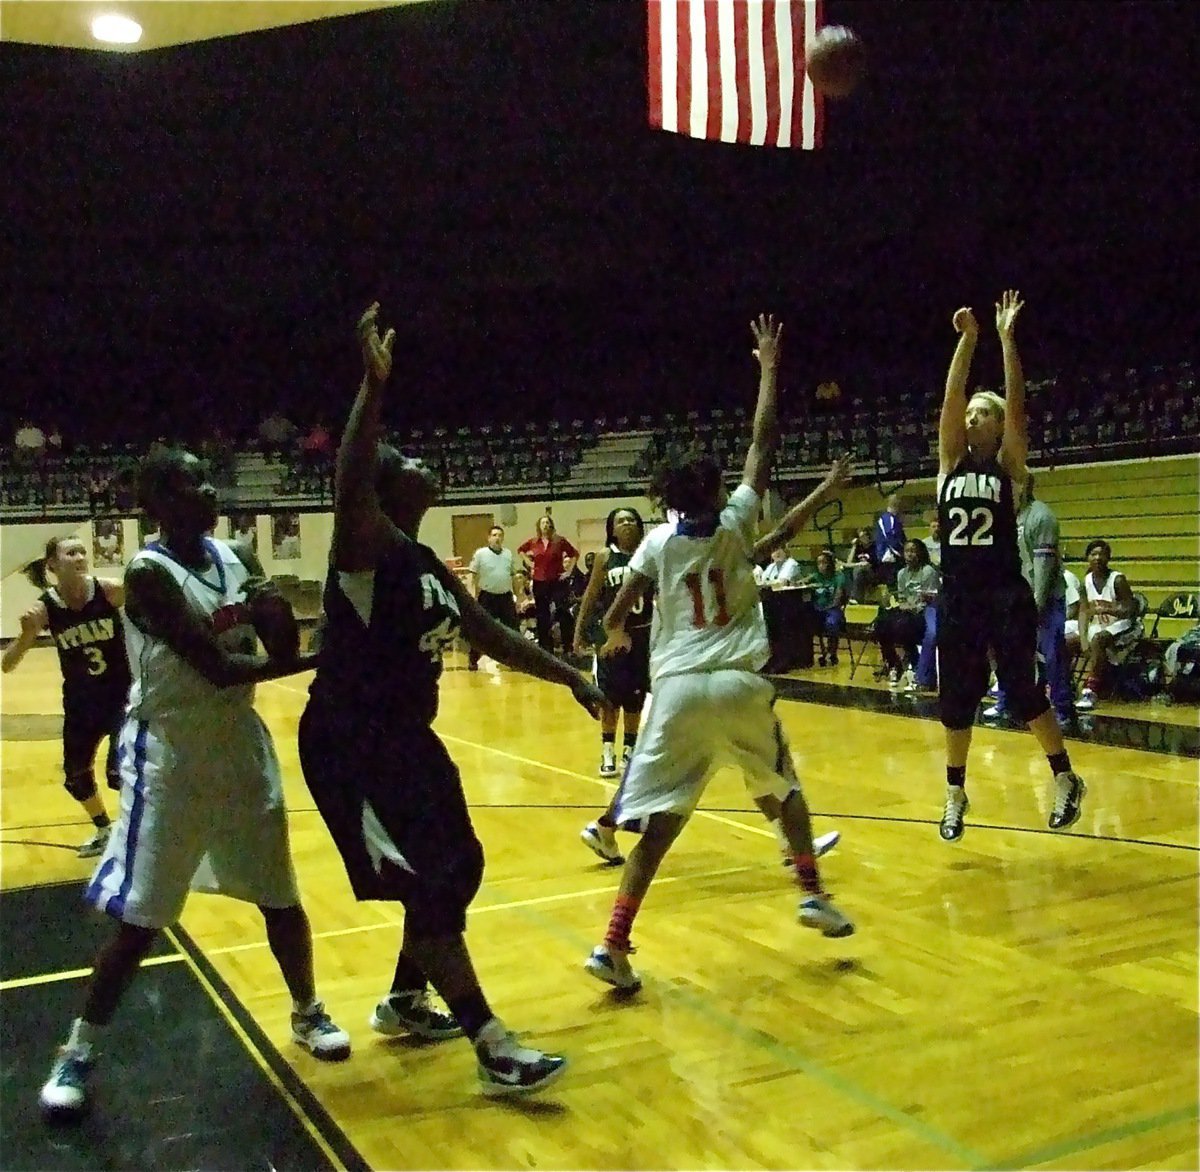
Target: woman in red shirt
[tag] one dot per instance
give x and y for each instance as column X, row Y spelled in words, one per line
column 551, row 558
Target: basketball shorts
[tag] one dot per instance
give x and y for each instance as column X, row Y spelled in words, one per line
column 394, row 804
column 1001, row 619
column 625, row 678
column 201, row 810
column 696, row 723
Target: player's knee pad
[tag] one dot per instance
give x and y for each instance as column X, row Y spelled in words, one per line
column 957, row 712
column 80, row 786
column 1026, row 703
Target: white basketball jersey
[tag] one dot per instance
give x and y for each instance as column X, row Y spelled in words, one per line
column 163, row 683
column 707, row 611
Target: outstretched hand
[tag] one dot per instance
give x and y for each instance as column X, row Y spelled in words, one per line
column 376, row 351
column 588, row 695
column 1007, row 308
column 842, row 471
column 964, row 322
column 766, row 336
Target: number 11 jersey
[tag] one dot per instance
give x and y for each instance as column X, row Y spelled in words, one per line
column 708, row 614
column 978, row 520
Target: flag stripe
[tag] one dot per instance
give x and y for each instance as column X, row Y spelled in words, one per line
column 733, row 70
column 716, row 93
column 771, row 70
column 683, row 66
column 654, row 55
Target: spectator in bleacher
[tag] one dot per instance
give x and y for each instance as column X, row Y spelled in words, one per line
column 550, row 559
column 54, row 443
column 933, row 543
column 491, row 572
column 1107, row 630
column 99, row 492
column 829, row 598
column 902, row 621
column 1041, row 565
column 861, row 565
column 276, row 435
column 781, row 571
column 30, row 442
column 890, row 540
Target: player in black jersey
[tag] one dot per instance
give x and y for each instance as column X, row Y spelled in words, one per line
column 986, row 602
column 381, row 778
column 83, row 615
column 624, row 679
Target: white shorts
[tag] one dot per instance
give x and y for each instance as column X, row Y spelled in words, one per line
column 201, row 809
column 695, row 723
column 1116, row 628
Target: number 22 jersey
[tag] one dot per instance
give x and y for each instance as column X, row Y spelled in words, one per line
column 978, row 519
column 708, row 613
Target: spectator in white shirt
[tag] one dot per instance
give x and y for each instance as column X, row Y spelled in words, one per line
column 492, row 570
column 782, row 570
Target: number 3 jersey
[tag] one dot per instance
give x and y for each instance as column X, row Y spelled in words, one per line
column 384, row 636
column 91, row 650
column 708, row 613
column 978, row 521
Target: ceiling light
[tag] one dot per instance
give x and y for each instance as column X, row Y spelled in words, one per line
column 117, row 30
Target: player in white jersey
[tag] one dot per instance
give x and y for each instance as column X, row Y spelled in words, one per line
column 201, row 802
column 709, row 700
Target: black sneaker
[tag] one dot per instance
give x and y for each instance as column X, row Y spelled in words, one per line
column 1068, row 799
column 951, row 828
column 508, row 1068
column 411, row 1013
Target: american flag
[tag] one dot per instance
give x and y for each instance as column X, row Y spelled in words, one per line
column 733, row 70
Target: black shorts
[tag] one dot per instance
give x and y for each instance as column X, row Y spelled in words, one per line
column 624, row 678
column 1001, row 619
column 85, row 724
column 394, row 805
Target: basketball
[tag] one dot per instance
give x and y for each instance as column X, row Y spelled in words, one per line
column 836, row 61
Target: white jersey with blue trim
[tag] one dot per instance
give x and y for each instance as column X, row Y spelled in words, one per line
column 708, row 616
column 163, row 682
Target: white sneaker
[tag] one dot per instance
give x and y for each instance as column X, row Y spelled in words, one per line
column 613, row 968
column 316, row 1032
column 908, row 681
column 952, row 824
column 64, row 1094
column 602, row 840
column 508, row 1068
column 608, row 766
column 1086, row 701
column 894, row 680
column 94, row 847
column 993, row 713
column 817, row 911
column 824, row 843
column 412, row 1013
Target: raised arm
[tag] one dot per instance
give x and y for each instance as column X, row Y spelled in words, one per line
column 360, row 528
column 33, row 622
column 590, row 594
column 1014, row 449
column 952, row 428
column 799, row 515
column 764, row 435
column 154, row 603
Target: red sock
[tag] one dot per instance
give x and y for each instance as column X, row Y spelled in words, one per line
column 806, row 874
column 621, row 923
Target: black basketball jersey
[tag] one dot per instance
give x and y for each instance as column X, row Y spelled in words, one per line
column 978, row 520
column 91, row 648
column 638, row 618
column 390, row 666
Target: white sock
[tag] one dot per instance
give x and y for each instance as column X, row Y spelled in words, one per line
column 83, row 1034
column 304, row 1010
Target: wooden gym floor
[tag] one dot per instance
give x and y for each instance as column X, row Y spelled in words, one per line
column 1022, row 999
